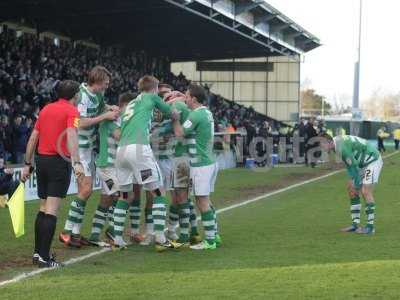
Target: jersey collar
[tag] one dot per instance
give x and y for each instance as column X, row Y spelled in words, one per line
column 200, row 107
column 85, row 87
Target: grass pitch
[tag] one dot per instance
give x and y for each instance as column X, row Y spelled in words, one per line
column 284, row 247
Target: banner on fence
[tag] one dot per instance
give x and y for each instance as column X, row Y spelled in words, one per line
column 31, row 185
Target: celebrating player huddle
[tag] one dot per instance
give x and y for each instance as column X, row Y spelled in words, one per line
column 127, row 136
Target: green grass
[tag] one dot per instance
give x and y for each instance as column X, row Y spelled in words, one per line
column 285, row 247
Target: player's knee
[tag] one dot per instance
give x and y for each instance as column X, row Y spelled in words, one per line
column 367, row 193
column 353, row 193
column 203, row 204
column 85, row 191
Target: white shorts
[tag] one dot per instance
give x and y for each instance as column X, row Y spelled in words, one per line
column 136, row 164
column 370, row 174
column 166, row 167
column 86, row 157
column 202, row 179
column 109, row 182
column 181, row 172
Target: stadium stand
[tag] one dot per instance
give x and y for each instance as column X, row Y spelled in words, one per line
column 63, row 42
column 30, row 67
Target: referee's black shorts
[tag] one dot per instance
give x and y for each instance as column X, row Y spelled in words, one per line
column 53, row 175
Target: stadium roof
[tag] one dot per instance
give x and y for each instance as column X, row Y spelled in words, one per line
column 181, row 29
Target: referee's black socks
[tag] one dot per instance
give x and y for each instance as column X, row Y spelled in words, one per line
column 38, row 222
column 46, row 231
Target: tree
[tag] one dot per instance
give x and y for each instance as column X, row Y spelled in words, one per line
column 381, row 105
column 314, row 103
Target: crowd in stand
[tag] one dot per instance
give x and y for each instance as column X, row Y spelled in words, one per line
column 30, row 68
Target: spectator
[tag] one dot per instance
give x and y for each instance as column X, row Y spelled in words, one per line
column 396, row 137
column 310, row 133
column 7, row 184
column 6, row 137
column 21, row 133
column 381, row 136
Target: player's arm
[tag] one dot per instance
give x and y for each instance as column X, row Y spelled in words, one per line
column 72, row 137
column 186, row 128
column 352, row 168
column 86, row 121
column 30, row 149
column 162, row 106
column 112, row 108
column 73, row 123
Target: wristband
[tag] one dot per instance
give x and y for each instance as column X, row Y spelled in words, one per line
column 27, row 164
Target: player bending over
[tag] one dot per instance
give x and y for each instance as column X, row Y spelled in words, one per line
column 364, row 164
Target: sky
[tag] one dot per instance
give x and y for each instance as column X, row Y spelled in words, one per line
column 329, row 69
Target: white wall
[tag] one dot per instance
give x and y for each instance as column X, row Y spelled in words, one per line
column 273, row 93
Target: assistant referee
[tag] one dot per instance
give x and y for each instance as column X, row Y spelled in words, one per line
column 55, row 135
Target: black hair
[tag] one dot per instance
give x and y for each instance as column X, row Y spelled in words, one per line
column 67, row 89
column 198, row 92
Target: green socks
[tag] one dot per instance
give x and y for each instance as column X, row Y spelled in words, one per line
column 355, row 210
column 173, row 217
column 208, row 220
column 192, row 218
column 159, row 215
column 75, row 216
column 134, row 214
column 99, row 220
column 370, row 212
column 184, row 213
column 149, row 220
column 120, row 211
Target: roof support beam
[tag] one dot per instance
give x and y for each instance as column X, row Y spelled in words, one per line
column 241, row 8
column 279, row 28
column 294, row 35
column 264, row 18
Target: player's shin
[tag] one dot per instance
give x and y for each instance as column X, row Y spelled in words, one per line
column 355, row 209
column 159, row 218
column 134, row 214
column 98, row 222
column 370, row 212
column 184, row 214
column 173, row 217
column 120, row 212
column 75, row 216
column 193, row 218
column 208, row 221
column 149, row 221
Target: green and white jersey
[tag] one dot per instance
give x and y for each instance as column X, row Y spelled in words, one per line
column 90, row 105
column 108, row 144
column 164, row 144
column 136, row 119
column 356, row 153
column 162, row 141
column 199, row 131
column 181, row 147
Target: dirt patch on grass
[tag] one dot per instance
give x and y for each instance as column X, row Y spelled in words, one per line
column 244, row 193
column 15, row 262
column 24, row 263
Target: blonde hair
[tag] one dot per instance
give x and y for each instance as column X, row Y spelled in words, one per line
column 147, row 83
column 98, row 75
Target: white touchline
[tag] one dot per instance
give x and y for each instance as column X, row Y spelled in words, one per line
column 95, row 253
